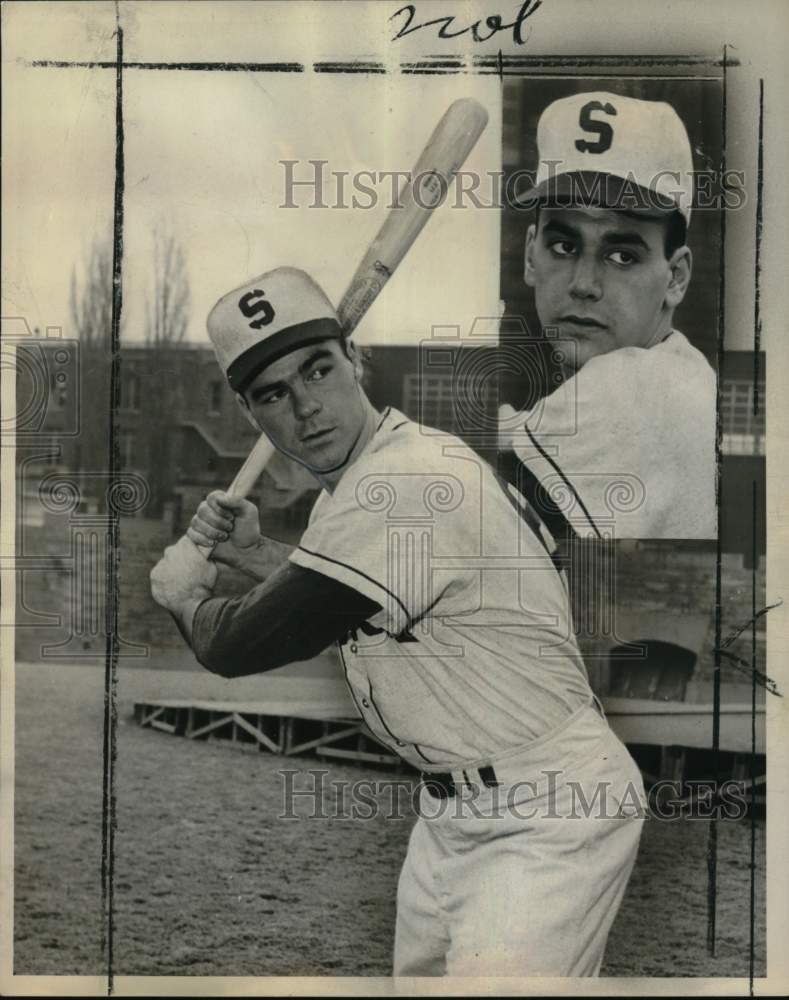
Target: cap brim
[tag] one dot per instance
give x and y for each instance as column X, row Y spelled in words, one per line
column 594, row 189
column 245, row 367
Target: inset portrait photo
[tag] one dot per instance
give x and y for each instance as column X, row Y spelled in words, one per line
column 610, row 271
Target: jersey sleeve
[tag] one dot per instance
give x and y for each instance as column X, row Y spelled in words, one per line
column 293, row 615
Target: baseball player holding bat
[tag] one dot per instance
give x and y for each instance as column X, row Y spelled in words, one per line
column 437, row 583
column 608, row 263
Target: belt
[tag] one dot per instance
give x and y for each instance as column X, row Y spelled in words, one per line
column 578, row 735
column 442, row 785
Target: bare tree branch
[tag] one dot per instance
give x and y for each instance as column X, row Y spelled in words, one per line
column 91, row 300
column 168, row 307
column 91, row 314
column 166, row 323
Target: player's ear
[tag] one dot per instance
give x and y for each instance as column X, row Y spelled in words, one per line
column 680, row 268
column 353, row 355
column 244, row 406
column 528, row 273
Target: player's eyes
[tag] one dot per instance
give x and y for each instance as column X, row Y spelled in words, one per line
column 562, row 248
column 319, row 373
column 271, row 397
column 623, row 257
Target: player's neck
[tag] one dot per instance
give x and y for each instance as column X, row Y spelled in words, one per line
column 662, row 330
column 372, row 419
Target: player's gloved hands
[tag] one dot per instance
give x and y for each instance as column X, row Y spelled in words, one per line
column 183, row 574
column 230, row 522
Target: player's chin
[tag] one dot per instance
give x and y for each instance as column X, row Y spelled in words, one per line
column 334, row 463
column 320, row 461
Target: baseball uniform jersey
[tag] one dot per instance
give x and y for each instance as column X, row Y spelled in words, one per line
column 626, row 447
column 472, row 653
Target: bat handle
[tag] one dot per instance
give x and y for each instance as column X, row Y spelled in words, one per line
column 246, row 477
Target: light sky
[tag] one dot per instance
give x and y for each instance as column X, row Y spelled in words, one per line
column 202, row 152
column 202, row 149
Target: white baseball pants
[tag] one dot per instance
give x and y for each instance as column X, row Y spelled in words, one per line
column 523, row 879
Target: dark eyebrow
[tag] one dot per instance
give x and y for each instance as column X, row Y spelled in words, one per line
column 561, row 229
column 318, row 355
column 628, row 239
column 554, row 227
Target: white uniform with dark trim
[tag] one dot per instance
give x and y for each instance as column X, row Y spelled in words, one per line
column 471, row 663
column 627, row 445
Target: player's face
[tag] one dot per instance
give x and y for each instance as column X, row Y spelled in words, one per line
column 310, row 405
column 601, row 279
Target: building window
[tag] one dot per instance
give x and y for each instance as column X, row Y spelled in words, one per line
column 743, row 430
column 215, row 402
column 130, row 393
column 429, row 400
column 447, row 402
column 126, row 449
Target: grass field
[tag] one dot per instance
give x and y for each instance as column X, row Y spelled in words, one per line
column 209, row 882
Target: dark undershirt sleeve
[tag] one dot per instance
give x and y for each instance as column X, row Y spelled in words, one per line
column 294, row 615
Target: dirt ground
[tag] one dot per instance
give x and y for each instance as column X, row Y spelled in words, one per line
column 209, row 881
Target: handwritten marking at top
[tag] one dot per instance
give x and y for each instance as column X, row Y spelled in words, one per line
column 493, row 22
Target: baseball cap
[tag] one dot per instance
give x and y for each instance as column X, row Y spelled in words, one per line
column 267, row 318
column 614, row 152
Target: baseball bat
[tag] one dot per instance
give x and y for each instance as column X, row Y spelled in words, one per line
column 447, row 148
column 445, row 152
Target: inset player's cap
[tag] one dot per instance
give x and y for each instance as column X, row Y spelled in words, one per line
column 266, row 318
column 613, row 152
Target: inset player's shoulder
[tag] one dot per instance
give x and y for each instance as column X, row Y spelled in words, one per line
column 673, row 356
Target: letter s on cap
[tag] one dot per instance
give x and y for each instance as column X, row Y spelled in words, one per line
column 253, row 303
